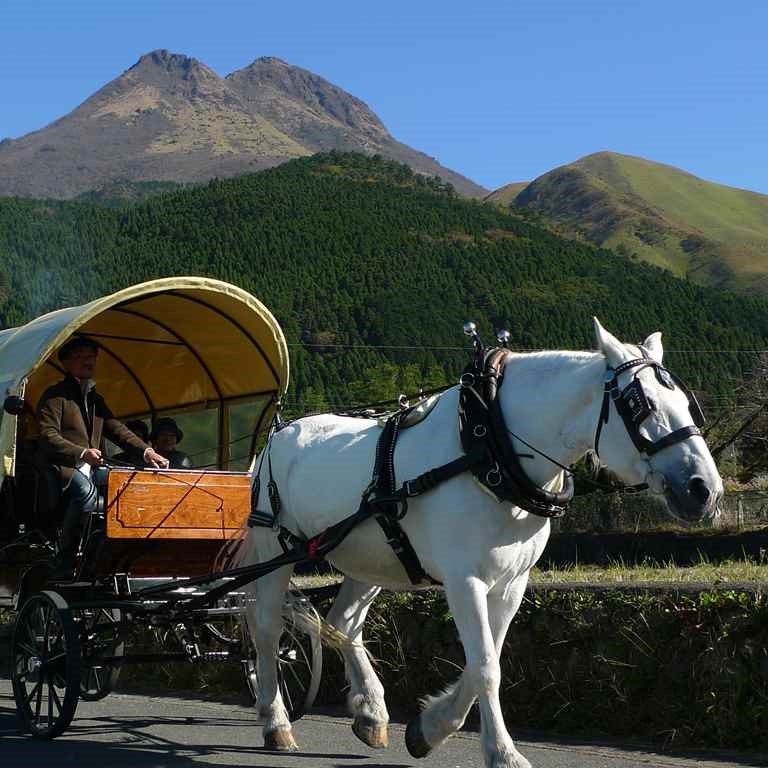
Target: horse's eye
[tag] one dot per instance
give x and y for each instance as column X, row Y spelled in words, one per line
column 652, row 404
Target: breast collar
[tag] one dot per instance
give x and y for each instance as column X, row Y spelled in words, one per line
column 484, row 434
column 633, row 406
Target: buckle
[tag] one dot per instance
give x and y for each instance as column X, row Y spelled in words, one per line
column 493, row 477
column 467, row 379
column 396, row 545
column 479, row 430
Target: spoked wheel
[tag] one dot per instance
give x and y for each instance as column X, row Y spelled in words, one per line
column 299, row 668
column 45, row 672
column 101, row 647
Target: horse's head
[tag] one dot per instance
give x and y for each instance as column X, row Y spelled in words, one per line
column 651, row 434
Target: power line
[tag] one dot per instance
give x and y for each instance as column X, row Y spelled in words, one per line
column 414, row 347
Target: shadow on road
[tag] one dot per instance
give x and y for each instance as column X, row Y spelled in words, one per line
column 83, row 747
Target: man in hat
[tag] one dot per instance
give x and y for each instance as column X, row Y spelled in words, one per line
column 165, row 436
column 73, row 418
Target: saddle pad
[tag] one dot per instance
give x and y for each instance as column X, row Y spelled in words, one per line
column 417, row 414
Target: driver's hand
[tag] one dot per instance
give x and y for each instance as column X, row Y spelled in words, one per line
column 92, row 456
column 154, row 459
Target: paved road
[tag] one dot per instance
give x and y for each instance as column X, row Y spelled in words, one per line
column 127, row 731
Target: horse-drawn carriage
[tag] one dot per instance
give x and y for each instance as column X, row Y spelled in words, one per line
column 486, row 466
column 214, row 358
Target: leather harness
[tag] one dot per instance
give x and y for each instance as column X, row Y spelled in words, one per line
column 488, row 453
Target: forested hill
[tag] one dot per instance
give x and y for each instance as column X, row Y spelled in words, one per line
column 358, row 257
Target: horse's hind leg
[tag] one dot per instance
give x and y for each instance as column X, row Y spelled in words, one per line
column 482, row 622
column 366, row 694
column 264, row 616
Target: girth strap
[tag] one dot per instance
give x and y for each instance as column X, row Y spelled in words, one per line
column 386, row 505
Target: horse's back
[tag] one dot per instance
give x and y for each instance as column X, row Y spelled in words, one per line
column 323, row 464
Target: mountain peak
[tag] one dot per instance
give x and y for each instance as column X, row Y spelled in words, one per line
column 163, row 63
column 273, row 85
column 269, row 61
column 172, row 118
column 166, row 59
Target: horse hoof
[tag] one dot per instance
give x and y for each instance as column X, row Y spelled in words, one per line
column 414, row 739
column 370, row 732
column 280, row 741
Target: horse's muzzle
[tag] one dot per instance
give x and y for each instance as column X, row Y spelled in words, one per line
column 694, row 501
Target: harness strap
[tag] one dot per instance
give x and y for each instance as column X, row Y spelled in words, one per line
column 673, row 437
column 388, row 507
column 401, row 546
column 433, row 477
column 483, row 429
column 611, row 391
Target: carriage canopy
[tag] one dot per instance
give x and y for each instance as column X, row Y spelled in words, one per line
column 166, row 346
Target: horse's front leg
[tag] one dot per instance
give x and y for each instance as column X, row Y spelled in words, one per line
column 264, row 616
column 482, row 620
column 366, row 693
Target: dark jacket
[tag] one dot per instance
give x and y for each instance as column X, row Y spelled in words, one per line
column 69, row 424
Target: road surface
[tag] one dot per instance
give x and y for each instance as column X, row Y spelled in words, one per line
column 127, row 730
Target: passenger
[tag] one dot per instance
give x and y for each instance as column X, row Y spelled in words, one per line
column 73, row 418
column 165, row 436
column 134, row 456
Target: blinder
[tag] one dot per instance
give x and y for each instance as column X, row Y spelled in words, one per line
column 634, row 406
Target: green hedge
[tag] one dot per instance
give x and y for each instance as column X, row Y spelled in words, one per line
column 676, row 668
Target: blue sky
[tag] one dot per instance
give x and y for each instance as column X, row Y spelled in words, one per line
column 499, row 91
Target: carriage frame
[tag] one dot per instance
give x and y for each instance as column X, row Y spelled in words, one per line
column 154, row 560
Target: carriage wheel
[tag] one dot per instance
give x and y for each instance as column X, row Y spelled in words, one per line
column 99, row 638
column 45, row 672
column 299, row 669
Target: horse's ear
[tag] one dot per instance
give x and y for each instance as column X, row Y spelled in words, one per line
column 653, row 347
column 609, row 345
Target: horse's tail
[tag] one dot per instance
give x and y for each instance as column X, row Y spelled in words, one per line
column 300, row 612
column 240, row 550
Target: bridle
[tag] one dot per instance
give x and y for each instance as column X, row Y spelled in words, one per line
column 633, row 406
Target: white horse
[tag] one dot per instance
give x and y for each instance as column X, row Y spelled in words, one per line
column 480, row 549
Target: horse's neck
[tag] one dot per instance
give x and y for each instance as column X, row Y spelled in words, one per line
column 552, row 401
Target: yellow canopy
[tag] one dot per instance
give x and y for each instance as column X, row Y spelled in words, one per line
column 169, row 344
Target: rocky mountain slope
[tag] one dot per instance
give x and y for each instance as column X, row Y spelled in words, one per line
column 172, row 118
column 714, row 234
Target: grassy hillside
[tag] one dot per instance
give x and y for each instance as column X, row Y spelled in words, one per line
column 647, row 211
column 506, row 195
column 368, row 265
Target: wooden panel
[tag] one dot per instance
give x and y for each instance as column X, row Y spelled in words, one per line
column 172, row 504
column 157, row 557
